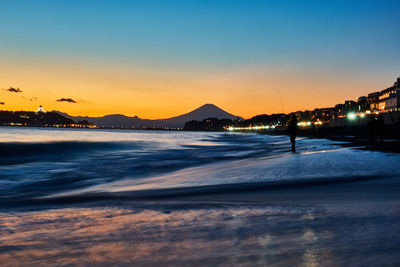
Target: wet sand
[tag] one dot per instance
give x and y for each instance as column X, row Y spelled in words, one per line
column 359, row 190
column 341, row 224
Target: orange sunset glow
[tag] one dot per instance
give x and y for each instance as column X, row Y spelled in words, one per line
column 101, row 89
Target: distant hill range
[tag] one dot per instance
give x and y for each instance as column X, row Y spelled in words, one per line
column 117, row 120
column 29, row 118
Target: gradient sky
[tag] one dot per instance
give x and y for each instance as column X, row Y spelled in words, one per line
column 158, row 59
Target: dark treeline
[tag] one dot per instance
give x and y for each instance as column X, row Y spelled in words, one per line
column 263, row 120
column 210, row 124
column 28, row 118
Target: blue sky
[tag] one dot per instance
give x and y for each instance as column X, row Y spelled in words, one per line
column 207, row 32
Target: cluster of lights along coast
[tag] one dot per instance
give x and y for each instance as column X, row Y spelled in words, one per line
column 385, row 103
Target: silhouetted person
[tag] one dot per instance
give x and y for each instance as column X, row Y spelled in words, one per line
column 372, row 126
column 292, row 130
column 380, row 128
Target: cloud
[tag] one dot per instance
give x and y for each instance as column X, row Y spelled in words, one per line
column 33, row 99
column 69, row 100
column 2, row 103
column 14, row 90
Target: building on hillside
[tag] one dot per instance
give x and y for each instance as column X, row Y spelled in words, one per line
column 373, row 101
column 392, row 102
column 350, row 106
column 40, row 110
column 362, row 104
column 389, row 98
column 340, row 110
column 322, row 113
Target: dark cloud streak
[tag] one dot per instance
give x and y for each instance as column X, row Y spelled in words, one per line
column 69, row 100
column 14, row 90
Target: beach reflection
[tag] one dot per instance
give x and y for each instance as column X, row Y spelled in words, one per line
column 219, row 236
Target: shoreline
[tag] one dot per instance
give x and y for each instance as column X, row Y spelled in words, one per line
column 202, row 191
column 343, row 224
column 357, row 188
column 391, row 145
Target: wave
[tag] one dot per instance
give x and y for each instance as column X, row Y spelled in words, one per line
column 191, row 191
column 149, row 165
column 47, row 168
column 18, row 152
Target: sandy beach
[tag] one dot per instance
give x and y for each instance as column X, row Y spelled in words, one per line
column 353, row 223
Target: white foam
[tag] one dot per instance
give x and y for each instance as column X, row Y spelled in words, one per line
column 318, row 159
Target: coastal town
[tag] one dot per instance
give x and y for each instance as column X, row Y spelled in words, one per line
column 40, row 118
column 385, row 103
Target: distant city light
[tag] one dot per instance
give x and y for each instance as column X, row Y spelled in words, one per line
column 304, row 123
column 352, row 116
column 250, row 128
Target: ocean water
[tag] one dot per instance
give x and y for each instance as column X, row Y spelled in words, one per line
column 123, row 197
column 42, row 162
column 45, row 163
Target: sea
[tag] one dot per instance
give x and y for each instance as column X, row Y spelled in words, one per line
column 120, row 197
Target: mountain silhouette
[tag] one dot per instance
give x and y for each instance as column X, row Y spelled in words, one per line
column 118, row 120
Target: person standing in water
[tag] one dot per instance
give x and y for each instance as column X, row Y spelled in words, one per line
column 380, row 128
column 292, row 130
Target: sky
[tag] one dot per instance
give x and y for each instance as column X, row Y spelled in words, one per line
column 158, row 59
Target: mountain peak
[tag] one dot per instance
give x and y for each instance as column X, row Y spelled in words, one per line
column 118, row 120
column 206, row 111
column 208, row 105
